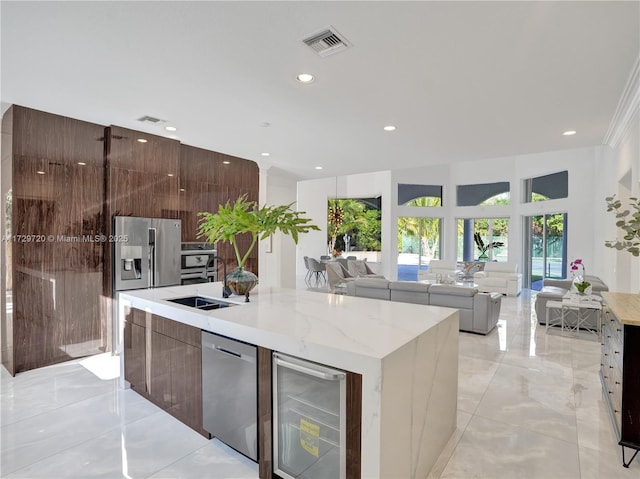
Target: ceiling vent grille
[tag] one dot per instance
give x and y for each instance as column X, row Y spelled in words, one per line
column 151, row 120
column 327, row 42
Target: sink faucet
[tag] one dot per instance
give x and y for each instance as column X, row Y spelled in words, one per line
column 225, row 290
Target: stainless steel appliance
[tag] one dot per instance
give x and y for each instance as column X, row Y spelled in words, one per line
column 148, row 255
column 198, row 263
column 309, row 419
column 230, row 392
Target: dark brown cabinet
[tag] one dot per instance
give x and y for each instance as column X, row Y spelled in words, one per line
column 54, row 275
column 135, row 350
column 619, row 369
column 163, row 363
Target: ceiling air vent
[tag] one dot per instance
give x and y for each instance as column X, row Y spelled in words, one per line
column 151, row 120
column 327, row 42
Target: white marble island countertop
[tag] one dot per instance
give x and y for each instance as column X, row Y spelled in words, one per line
column 340, row 331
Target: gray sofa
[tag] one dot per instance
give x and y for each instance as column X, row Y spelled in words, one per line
column 555, row 289
column 479, row 312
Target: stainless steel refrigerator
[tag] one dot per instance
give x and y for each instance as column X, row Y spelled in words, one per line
column 146, row 254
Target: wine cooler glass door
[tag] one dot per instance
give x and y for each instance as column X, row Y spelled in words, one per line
column 309, row 419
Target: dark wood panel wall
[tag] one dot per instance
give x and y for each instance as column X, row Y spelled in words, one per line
column 207, row 180
column 57, row 194
column 69, row 178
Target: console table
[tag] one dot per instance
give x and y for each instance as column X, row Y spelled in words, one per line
column 619, row 368
column 575, row 311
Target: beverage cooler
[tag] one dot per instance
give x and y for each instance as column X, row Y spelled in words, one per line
column 309, row 419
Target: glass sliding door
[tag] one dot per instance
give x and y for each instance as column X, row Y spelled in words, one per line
column 419, row 241
column 546, row 248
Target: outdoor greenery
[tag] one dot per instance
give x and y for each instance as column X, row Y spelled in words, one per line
column 425, row 230
column 628, row 222
column 243, row 216
column 355, row 218
column 555, row 232
column 483, row 247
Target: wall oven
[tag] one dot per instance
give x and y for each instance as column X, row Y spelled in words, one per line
column 198, row 263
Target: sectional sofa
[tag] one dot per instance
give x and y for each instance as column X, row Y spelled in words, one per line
column 479, row 312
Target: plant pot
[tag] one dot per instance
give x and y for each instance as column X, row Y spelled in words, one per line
column 241, row 282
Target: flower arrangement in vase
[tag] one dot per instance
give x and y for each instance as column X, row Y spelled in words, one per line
column 579, row 281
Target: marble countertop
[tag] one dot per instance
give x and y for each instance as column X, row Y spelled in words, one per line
column 626, row 306
column 342, row 331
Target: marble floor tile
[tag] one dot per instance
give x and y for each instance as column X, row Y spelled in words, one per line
column 532, row 399
column 474, row 377
column 491, row 449
column 214, row 461
column 37, row 437
column 132, row 451
column 598, row 464
column 42, row 390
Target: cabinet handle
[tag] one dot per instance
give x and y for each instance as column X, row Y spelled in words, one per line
column 329, row 376
column 616, row 352
column 619, row 330
column 606, row 377
column 610, row 392
column 617, row 382
column 610, row 367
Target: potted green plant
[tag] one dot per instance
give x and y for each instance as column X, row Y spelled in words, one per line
column 483, row 248
column 244, row 216
column 628, row 222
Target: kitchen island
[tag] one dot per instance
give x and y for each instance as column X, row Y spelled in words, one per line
column 406, row 354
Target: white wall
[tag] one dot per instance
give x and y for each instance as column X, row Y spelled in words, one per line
column 278, row 267
column 618, row 171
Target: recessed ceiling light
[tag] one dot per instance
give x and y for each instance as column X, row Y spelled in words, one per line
column 305, row 78
column 389, row 128
column 181, row 189
column 170, row 128
column 169, row 174
column 40, row 172
column 569, row 133
column 318, row 167
column 141, row 140
column 265, row 154
column 226, row 162
column 82, row 163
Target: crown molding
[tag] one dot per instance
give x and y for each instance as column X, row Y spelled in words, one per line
column 628, row 105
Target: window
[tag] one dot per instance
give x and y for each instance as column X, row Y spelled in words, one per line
column 483, row 194
column 354, row 225
column 483, row 239
column 419, row 241
column 419, row 195
column 547, row 187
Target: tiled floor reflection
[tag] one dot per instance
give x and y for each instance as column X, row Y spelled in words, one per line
column 529, row 406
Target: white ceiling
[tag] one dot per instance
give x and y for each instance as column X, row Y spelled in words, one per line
column 461, row 80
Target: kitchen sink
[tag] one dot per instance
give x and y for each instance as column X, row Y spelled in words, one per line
column 200, row 302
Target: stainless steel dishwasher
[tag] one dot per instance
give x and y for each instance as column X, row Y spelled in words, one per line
column 230, row 392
